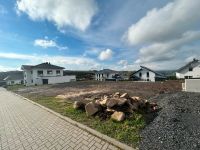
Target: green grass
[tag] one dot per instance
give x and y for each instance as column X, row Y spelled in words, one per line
column 127, row 131
column 14, row 87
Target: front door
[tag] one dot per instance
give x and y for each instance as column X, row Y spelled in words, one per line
column 45, row 81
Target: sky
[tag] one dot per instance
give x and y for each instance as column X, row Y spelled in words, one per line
column 99, row 34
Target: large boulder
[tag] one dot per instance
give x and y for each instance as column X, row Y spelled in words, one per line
column 78, row 105
column 91, row 108
column 118, row 116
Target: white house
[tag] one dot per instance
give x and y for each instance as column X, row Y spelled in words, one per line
column 45, row 73
column 146, row 74
column 106, row 74
column 12, row 78
column 190, row 70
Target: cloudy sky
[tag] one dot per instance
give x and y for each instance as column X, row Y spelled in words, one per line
column 96, row 34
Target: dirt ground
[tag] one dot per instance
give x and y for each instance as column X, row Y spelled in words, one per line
column 94, row 89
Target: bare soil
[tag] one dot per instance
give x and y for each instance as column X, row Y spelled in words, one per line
column 94, row 89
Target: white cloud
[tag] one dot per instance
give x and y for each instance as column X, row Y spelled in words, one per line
column 167, row 50
column 166, row 23
column 45, row 43
column 123, row 62
column 92, row 51
column 79, row 63
column 166, row 35
column 106, row 54
column 7, row 68
column 74, row 13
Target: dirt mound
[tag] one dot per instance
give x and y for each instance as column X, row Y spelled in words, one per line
column 177, row 125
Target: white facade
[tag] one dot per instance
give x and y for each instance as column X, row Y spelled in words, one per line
column 104, row 76
column 189, row 72
column 191, row 85
column 46, row 76
column 14, row 82
column 145, row 75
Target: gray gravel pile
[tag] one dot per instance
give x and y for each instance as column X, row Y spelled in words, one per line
column 177, row 126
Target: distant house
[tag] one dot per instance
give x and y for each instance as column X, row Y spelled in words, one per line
column 190, row 70
column 146, row 74
column 106, row 74
column 45, row 73
column 11, row 78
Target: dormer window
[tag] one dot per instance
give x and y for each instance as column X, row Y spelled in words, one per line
column 190, row 69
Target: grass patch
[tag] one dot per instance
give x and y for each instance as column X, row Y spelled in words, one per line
column 14, row 87
column 126, row 132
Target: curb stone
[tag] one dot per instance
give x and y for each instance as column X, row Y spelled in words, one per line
column 84, row 127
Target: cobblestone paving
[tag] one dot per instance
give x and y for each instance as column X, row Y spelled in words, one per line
column 24, row 125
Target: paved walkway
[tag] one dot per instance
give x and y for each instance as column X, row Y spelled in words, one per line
column 24, row 125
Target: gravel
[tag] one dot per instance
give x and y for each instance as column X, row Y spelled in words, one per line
column 177, row 126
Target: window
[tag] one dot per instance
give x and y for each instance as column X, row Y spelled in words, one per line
column 190, row 69
column 140, row 74
column 31, row 81
column 12, row 82
column 107, row 75
column 40, row 73
column 147, row 74
column 31, row 72
column 49, row 72
column 58, row 72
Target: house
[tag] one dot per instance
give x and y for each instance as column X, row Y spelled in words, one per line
column 146, row 74
column 106, row 74
column 45, row 73
column 11, row 78
column 190, row 70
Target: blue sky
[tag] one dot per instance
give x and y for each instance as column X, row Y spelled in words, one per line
column 96, row 34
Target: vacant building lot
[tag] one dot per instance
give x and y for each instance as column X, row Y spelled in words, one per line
column 60, row 98
column 87, row 89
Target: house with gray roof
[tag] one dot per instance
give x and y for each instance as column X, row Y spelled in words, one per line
column 190, row 70
column 45, row 73
column 11, row 78
column 146, row 74
column 106, row 74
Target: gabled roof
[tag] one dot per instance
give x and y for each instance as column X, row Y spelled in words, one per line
column 106, row 71
column 41, row 66
column 157, row 73
column 26, row 67
column 11, row 75
column 193, row 63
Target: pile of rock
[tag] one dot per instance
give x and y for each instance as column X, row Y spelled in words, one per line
column 116, row 106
